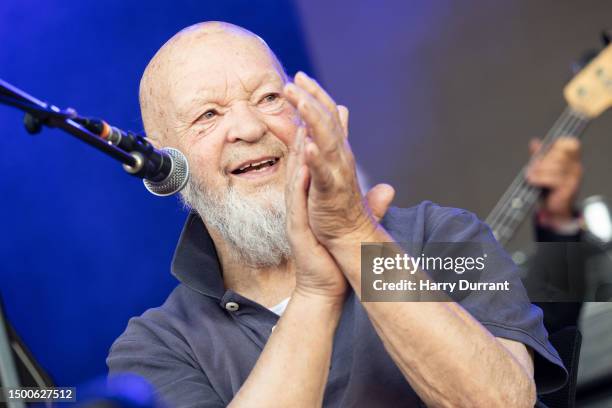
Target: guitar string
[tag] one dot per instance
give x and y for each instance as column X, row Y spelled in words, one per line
column 518, row 179
column 491, row 220
column 525, row 196
column 566, row 127
column 568, row 123
column 528, row 194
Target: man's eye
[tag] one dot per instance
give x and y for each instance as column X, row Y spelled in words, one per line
column 270, row 98
column 209, row 114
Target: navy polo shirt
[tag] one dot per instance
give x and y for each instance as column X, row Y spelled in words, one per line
column 199, row 347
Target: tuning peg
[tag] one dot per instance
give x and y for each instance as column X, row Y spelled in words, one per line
column 584, row 60
column 606, row 37
column 588, row 56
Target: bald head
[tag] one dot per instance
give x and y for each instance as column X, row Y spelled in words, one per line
column 215, row 91
column 193, row 61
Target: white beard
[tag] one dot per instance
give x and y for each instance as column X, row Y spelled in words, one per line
column 254, row 226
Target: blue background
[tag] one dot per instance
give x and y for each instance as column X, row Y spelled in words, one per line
column 85, row 247
column 444, row 96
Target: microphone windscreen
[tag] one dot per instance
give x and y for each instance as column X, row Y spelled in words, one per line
column 176, row 179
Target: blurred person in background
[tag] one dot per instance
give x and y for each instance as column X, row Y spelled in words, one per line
column 559, row 173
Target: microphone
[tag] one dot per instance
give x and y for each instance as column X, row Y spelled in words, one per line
column 176, row 177
column 164, row 172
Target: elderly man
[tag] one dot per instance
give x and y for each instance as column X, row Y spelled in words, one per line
column 268, row 312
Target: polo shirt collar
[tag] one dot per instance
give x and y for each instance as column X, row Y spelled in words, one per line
column 195, row 262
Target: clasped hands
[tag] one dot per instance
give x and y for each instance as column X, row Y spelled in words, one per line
column 326, row 212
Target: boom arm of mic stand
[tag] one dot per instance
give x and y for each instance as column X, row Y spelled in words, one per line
column 52, row 116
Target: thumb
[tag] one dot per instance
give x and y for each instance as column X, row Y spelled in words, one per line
column 379, row 198
column 534, row 146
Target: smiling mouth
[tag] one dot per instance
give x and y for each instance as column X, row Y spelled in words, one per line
column 260, row 166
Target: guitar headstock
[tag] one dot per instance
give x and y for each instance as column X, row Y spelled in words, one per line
column 590, row 91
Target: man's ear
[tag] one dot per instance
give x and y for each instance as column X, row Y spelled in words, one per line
column 343, row 113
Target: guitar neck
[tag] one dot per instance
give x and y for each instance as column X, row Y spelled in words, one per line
column 519, row 199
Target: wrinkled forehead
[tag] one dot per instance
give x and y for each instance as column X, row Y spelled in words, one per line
column 214, row 66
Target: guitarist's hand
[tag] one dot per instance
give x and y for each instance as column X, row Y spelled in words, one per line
column 560, row 172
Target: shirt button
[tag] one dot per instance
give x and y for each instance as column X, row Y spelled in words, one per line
column 232, row 306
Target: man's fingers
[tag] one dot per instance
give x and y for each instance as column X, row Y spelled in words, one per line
column 534, row 146
column 297, row 214
column 292, row 157
column 550, row 167
column 319, row 111
column 322, row 178
column 343, row 113
column 570, row 146
column 316, row 117
column 379, row 198
column 299, row 218
column 294, row 162
column 546, row 180
column 301, row 143
column 301, row 237
column 565, row 147
column 313, row 87
column 556, row 163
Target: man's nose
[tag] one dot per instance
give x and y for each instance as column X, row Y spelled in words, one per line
column 245, row 125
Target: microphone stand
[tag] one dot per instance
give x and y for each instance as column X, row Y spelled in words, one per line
column 8, row 371
column 39, row 113
column 164, row 172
